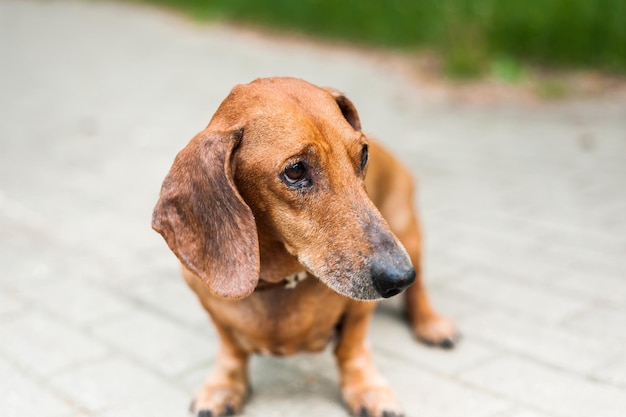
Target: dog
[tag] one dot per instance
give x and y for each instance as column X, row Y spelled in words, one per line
column 288, row 221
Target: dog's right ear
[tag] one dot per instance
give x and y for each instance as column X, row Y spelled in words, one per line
column 347, row 108
column 204, row 220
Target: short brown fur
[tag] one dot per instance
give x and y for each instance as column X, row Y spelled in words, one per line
column 238, row 229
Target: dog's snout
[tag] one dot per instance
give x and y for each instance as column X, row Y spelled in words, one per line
column 390, row 279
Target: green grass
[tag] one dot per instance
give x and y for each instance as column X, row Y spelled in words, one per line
column 471, row 35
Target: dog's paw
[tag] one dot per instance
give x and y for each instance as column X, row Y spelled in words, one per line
column 372, row 401
column 213, row 400
column 437, row 330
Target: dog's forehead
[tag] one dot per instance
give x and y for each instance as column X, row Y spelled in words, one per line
column 273, row 97
column 269, row 97
column 283, row 109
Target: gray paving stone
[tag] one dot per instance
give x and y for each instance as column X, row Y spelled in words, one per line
column 193, row 378
column 9, row 305
column 600, row 322
column 155, row 406
column 301, row 384
column 441, row 268
column 613, row 371
column 426, row 394
column 454, row 304
column 28, row 254
column 510, row 295
column 33, row 255
column 552, row 345
column 586, row 248
column 388, row 325
column 45, row 346
column 507, row 250
column 21, row 396
column 77, row 301
column 526, row 383
column 602, row 246
column 116, row 383
column 160, row 344
column 481, row 245
column 523, row 413
column 173, row 297
column 601, row 285
column 296, row 386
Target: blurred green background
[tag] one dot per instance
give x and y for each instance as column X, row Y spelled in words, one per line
column 472, row 37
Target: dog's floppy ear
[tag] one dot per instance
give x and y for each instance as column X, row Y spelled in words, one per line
column 347, row 108
column 204, row 220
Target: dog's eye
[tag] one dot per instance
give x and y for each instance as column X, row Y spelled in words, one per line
column 364, row 157
column 295, row 173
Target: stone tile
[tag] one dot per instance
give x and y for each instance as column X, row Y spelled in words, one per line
column 445, row 300
column 455, row 304
column 500, row 249
column 600, row 246
column 604, row 323
column 390, row 336
column 520, row 412
column 169, row 405
column 586, row 247
column 545, row 389
column 115, row 384
column 23, row 396
column 80, row 302
column 193, row 378
column 493, row 225
column 288, row 374
column 173, row 297
column 278, row 405
column 442, row 269
column 9, row 305
column 32, row 255
column 162, row 345
column 28, row 255
column 45, row 346
column 132, row 237
column 507, row 294
column 613, row 371
column 79, row 413
column 299, row 385
column 592, row 282
column 425, row 394
column 543, row 342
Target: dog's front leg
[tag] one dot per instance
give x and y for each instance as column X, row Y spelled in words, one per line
column 364, row 389
column 225, row 389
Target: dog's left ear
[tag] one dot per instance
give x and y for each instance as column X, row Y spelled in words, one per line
column 204, row 220
column 347, row 108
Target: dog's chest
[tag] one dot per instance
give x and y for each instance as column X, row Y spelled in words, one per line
column 283, row 321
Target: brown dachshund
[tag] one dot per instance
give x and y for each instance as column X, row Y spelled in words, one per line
column 274, row 191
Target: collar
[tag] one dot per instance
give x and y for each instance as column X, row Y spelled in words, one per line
column 290, row 282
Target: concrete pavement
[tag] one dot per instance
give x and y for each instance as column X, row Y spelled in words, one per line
column 524, row 207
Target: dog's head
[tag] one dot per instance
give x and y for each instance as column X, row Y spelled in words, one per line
column 291, row 156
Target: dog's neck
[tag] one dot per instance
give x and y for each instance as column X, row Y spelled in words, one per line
column 275, row 262
column 279, row 269
column 288, row 283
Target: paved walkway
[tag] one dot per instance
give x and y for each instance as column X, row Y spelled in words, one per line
column 524, row 208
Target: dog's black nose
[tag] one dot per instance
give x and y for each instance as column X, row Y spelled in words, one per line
column 390, row 280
